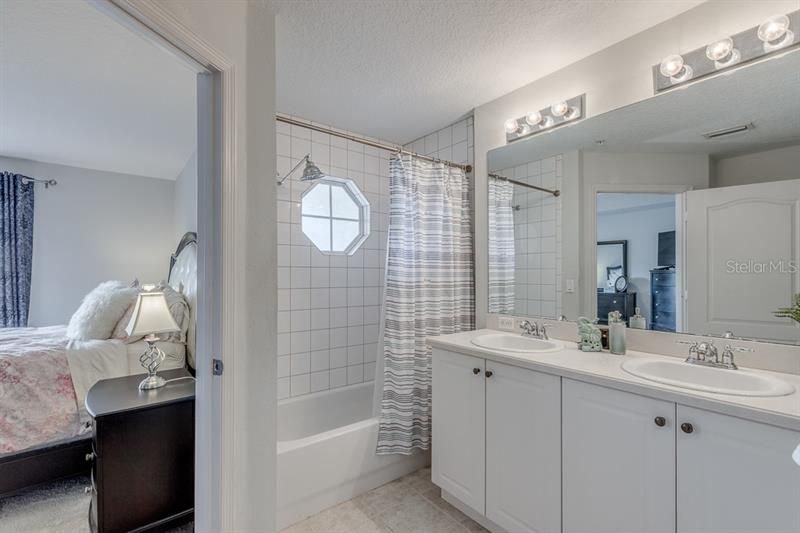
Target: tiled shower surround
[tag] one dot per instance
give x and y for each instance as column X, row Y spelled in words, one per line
column 329, row 306
column 453, row 143
column 537, row 239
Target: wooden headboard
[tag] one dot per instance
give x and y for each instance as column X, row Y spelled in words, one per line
column 183, row 273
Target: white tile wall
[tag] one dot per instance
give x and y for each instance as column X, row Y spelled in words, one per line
column 537, row 239
column 452, row 143
column 329, row 307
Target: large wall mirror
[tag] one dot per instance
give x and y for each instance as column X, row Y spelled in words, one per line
column 692, row 196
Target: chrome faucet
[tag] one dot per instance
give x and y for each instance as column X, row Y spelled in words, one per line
column 533, row 329
column 706, row 354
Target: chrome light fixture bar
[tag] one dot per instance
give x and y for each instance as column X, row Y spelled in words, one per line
column 558, row 114
column 774, row 35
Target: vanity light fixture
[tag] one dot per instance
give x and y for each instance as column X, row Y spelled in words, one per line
column 553, row 116
column 752, row 44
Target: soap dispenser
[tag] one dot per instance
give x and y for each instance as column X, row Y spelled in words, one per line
column 616, row 333
column 638, row 321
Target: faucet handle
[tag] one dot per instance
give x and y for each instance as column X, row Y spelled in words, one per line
column 543, row 331
column 727, row 355
column 693, row 349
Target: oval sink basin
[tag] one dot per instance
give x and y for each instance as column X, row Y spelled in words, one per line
column 516, row 343
column 707, row 379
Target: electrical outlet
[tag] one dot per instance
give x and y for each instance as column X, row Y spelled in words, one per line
column 506, row 322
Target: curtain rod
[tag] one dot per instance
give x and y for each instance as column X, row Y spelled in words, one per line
column 528, row 185
column 374, row 144
column 47, row 183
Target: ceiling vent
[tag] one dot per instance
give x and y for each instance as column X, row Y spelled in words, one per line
column 728, row 131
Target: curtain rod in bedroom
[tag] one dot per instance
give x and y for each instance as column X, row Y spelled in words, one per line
column 374, row 144
column 555, row 192
column 47, row 183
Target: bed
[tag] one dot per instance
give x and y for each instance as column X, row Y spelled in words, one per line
column 45, row 431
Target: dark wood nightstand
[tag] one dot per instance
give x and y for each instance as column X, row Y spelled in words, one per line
column 142, row 454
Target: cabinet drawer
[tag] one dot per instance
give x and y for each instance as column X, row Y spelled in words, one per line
column 662, row 280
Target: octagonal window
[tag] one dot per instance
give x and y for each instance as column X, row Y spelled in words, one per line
column 335, row 216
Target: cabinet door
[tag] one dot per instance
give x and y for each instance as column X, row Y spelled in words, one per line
column 736, row 475
column 458, row 426
column 523, row 449
column 618, row 463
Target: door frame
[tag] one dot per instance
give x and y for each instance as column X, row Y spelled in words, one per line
column 219, row 198
column 589, row 239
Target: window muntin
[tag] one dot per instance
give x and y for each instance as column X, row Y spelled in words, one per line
column 335, row 216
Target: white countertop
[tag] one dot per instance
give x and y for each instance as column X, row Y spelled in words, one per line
column 603, row 368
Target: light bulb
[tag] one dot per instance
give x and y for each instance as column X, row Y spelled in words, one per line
column 720, row 49
column 675, row 69
column 559, row 109
column 573, row 113
column 533, row 118
column 773, row 28
column 511, row 126
column 547, row 122
column 722, row 53
column 524, row 130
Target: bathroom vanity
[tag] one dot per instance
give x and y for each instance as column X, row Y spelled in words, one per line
column 569, row 441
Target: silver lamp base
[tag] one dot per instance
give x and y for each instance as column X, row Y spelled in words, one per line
column 151, row 360
column 152, row 382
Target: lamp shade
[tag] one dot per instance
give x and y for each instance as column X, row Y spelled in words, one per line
column 151, row 316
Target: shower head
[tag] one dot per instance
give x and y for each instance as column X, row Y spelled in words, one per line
column 311, row 172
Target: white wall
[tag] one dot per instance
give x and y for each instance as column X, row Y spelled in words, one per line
column 243, row 498
column 92, row 227
column 611, row 78
column 760, row 167
column 628, row 172
column 185, row 214
column 329, row 306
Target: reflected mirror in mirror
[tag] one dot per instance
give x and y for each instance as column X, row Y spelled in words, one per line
column 702, row 185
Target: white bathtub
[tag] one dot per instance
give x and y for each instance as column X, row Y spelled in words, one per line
column 326, row 452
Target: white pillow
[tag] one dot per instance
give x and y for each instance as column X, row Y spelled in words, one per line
column 100, row 311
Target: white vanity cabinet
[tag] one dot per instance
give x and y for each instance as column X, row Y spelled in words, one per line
column 523, row 446
column 735, row 475
column 458, row 433
column 497, row 440
column 536, row 452
column 618, row 461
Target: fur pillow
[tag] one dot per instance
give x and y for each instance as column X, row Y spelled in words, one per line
column 100, row 311
column 177, row 307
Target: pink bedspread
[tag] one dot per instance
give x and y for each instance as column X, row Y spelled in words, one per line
column 37, row 398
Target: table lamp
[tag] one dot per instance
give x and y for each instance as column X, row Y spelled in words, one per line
column 151, row 317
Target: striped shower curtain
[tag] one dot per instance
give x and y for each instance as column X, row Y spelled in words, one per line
column 16, row 249
column 429, row 291
column 501, row 246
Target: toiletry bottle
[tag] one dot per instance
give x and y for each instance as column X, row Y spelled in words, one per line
column 616, row 333
column 638, row 321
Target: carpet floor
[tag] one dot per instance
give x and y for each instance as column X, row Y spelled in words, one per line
column 59, row 507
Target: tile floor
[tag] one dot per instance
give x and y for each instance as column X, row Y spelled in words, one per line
column 411, row 504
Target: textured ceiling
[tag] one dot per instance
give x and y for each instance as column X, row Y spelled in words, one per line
column 397, row 70
column 77, row 88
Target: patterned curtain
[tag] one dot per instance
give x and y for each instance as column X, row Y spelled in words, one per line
column 429, row 291
column 16, row 245
column 501, row 246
